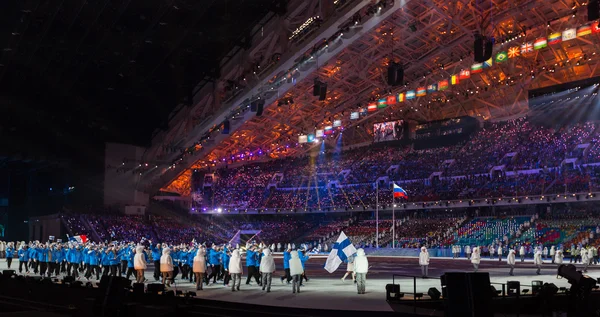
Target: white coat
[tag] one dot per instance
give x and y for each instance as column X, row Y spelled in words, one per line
column 424, row 257
column 166, row 262
column 139, row 260
column 585, row 257
column 510, row 259
column 522, row 250
column 235, row 263
column 361, row 263
column 558, row 259
column 267, row 263
column 199, row 265
column 552, row 251
column 296, row 264
column 476, row 257
column 545, row 250
column 499, row 250
column 468, row 249
column 537, row 258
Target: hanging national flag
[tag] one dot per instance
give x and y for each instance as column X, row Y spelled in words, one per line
column 443, row 85
column 80, row 239
column 569, row 34
column 554, row 38
column 464, row 74
column 476, row 68
column 488, row 63
column 421, row 92
column 399, row 192
column 391, row 100
column 432, row 88
column 454, row 80
column 540, row 43
column 381, row 103
column 340, row 252
column 362, row 111
column 584, row 30
column 401, row 97
column 596, row 27
column 410, row 95
column 514, row 52
column 372, row 107
column 526, row 48
column 501, row 57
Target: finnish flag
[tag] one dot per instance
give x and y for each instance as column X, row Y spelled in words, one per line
column 341, row 250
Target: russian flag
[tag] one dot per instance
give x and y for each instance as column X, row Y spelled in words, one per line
column 399, row 192
column 80, row 239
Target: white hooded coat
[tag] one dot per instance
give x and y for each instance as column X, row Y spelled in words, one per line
column 235, row 263
column 166, row 262
column 510, row 259
column 476, row 257
column 267, row 263
column 295, row 264
column 537, row 259
column 585, row 257
column 424, row 257
column 139, row 260
column 361, row 263
column 522, row 250
column 199, row 265
column 559, row 257
column 552, row 251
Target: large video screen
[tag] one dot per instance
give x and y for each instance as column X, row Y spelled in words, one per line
column 388, row 131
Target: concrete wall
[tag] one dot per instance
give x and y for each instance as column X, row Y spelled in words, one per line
column 41, row 228
column 122, row 175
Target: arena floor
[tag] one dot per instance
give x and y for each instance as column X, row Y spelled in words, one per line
column 327, row 291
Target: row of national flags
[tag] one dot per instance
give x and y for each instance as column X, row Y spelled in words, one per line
column 500, row 57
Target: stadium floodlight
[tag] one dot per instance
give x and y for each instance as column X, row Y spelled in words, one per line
column 219, row 210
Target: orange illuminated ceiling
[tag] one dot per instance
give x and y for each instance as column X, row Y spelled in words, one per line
column 433, row 40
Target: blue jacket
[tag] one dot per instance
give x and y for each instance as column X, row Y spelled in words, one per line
column 213, row 257
column 303, row 258
column 225, row 259
column 76, row 256
column 57, row 255
column 94, row 257
column 190, row 256
column 113, row 258
column 32, row 253
column 124, row 254
column 286, row 259
column 156, row 252
column 105, row 258
column 42, row 255
column 130, row 259
column 23, row 255
column 86, row 256
column 250, row 258
column 10, row 252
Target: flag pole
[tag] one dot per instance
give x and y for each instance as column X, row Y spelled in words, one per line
column 377, row 216
column 393, row 220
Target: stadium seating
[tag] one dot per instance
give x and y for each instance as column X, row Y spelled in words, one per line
column 529, row 158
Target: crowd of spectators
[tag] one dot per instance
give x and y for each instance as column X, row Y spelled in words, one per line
column 529, row 158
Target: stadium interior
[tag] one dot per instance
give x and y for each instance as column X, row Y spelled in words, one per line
column 303, row 125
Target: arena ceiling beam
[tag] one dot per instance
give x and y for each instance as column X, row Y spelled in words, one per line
column 443, row 37
column 267, row 88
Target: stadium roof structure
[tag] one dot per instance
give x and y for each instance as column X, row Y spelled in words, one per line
column 350, row 48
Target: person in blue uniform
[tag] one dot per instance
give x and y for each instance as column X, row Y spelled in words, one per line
column 10, row 253
column 23, row 254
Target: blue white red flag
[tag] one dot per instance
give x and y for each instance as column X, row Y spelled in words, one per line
column 399, row 192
